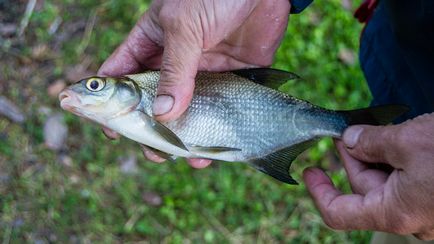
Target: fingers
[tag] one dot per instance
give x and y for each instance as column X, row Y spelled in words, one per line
column 362, row 178
column 372, row 144
column 426, row 235
column 110, row 134
column 150, row 155
column 343, row 212
column 182, row 52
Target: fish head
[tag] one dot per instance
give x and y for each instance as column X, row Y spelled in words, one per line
column 100, row 98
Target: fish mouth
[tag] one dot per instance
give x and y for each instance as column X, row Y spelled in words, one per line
column 68, row 100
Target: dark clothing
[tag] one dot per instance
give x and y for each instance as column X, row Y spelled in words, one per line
column 298, row 5
column 397, row 55
column 397, row 52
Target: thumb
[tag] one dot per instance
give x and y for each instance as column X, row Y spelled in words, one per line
column 370, row 144
column 178, row 70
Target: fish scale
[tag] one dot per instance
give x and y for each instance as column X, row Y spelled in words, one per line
column 233, row 116
column 256, row 122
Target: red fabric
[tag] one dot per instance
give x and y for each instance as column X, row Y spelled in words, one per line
column 365, row 11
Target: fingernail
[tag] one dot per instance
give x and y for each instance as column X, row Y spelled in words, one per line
column 162, row 104
column 351, row 136
column 153, row 157
column 150, row 155
column 313, row 171
column 199, row 163
column 308, row 170
column 112, row 135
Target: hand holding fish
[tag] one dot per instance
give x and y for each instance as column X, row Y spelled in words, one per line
column 400, row 201
column 235, row 116
column 181, row 37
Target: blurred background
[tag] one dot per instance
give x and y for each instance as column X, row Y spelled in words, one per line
column 61, row 180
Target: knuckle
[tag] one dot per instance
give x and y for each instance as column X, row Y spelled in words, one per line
column 389, row 134
column 175, row 20
column 169, row 76
column 399, row 223
column 175, row 80
column 169, row 18
column 419, row 130
column 399, row 228
column 366, row 148
column 403, row 137
column 368, row 145
column 266, row 61
column 425, row 236
column 183, row 24
column 333, row 222
column 393, row 140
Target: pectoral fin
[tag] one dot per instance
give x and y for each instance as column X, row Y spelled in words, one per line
column 277, row 164
column 164, row 132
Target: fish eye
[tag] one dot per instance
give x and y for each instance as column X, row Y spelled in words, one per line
column 95, row 84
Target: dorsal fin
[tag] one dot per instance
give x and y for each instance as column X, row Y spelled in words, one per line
column 277, row 164
column 272, row 78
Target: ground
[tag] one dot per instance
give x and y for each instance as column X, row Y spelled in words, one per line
column 61, row 180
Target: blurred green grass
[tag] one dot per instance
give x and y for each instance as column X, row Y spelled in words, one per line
column 44, row 198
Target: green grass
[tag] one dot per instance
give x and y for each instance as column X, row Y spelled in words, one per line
column 42, row 198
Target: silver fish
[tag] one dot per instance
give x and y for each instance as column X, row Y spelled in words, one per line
column 234, row 116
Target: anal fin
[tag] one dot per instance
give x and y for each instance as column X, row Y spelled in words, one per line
column 216, row 149
column 211, row 152
column 277, row 164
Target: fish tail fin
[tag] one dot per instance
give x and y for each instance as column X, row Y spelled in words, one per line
column 277, row 164
column 378, row 115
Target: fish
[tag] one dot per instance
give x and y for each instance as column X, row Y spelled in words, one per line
column 234, row 116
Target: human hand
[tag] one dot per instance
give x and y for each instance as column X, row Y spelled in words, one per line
column 400, row 201
column 180, row 37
